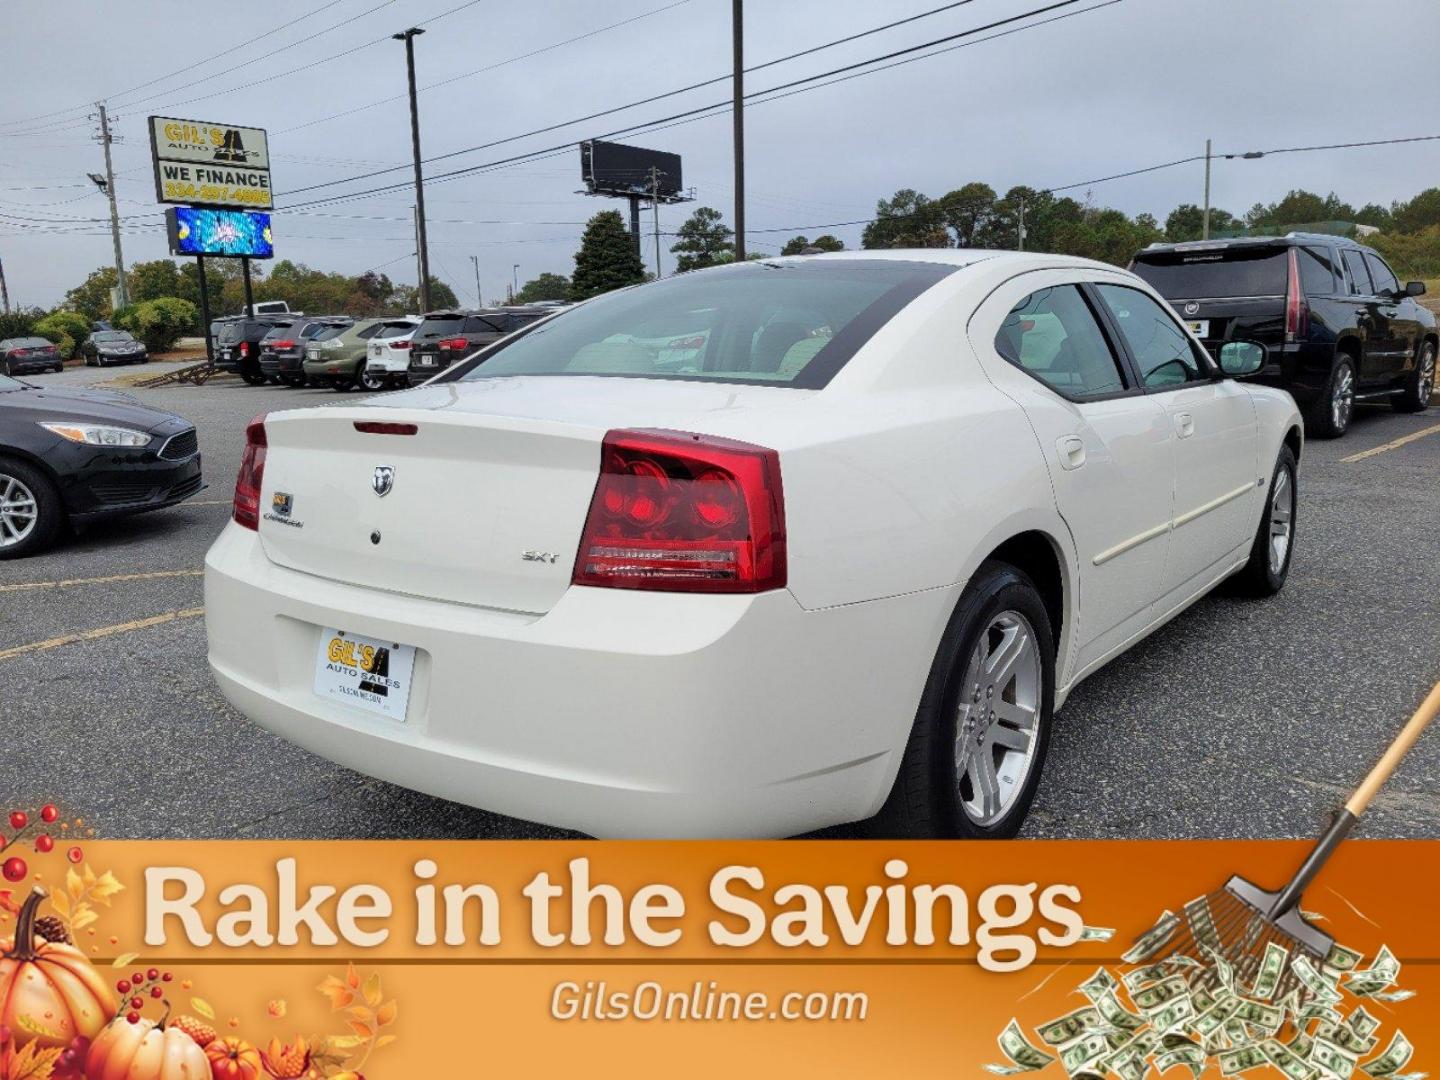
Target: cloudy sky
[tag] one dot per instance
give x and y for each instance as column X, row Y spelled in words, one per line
column 1115, row 85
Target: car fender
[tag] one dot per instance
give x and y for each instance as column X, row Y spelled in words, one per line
column 1276, row 416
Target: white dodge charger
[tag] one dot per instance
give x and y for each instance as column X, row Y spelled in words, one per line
column 752, row 550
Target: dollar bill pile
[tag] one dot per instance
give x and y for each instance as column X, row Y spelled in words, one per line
column 1198, row 1012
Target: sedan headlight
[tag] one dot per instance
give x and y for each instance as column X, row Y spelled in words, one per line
column 100, row 434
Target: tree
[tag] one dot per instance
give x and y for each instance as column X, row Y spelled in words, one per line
column 152, row 280
column 907, row 219
column 545, row 287
column 442, row 295
column 607, row 258
column 701, row 240
column 825, row 242
column 1420, row 213
column 1375, row 215
column 1185, row 222
column 92, row 296
column 967, row 211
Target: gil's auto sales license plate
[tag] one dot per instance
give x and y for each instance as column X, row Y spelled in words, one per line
column 368, row 674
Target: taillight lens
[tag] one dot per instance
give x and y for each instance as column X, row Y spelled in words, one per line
column 244, row 348
column 401, row 344
column 684, row 513
column 1297, row 309
column 246, row 508
column 454, row 343
column 283, row 345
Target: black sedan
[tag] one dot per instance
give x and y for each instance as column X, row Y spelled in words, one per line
column 76, row 456
column 113, row 347
column 20, row 356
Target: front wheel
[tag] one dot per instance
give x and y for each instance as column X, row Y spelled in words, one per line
column 30, row 509
column 1419, row 387
column 974, row 757
column 1329, row 417
column 1269, row 565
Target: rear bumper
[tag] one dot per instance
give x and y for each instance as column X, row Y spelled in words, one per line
column 616, row 714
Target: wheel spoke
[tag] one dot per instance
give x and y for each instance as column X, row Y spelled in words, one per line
column 1010, row 738
column 1017, row 716
column 985, row 782
column 1000, row 665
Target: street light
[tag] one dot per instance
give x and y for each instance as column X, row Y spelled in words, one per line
column 408, row 37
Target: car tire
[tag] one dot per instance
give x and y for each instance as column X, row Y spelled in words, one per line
column 939, row 792
column 22, row 483
column 1274, row 546
column 372, row 383
column 339, row 383
column 252, row 378
column 1329, row 417
column 1421, row 385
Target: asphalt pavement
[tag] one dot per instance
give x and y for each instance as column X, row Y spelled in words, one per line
column 1242, row 718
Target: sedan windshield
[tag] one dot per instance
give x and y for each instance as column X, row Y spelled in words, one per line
column 770, row 323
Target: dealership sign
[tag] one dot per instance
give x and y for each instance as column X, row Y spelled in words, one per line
column 205, row 164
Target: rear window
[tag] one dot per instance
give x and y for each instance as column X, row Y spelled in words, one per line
column 792, row 324
column 440, row 326
column 1254, row 271
column 498, row 323
column 33, row 343
column 328, row 332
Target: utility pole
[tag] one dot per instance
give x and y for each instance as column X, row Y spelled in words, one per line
column 655, row 206
column 1021, row 236
column 4, row 290
column 475, row 262
column 105, row 141
column 737, row 32
column 514, row 280
column 408, row 37
column 1205, row 222
column 419, row 264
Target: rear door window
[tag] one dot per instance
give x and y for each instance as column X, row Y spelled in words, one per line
column 1359, row 277
column 1163, row 352
column 1382, row 276
column 1316, row 271
column 1052, row 334
column 1206, row 275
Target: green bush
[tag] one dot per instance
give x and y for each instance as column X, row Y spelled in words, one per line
column 159, row 323
column 1414, row 256
column 19, row 322
column 66, row 329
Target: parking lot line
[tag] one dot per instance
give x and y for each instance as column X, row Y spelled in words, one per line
column 1395, row 445
column 101, row 632
column 67, row 582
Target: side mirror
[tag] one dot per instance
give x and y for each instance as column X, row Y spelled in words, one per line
column 1415, row 288
column 1241, row 357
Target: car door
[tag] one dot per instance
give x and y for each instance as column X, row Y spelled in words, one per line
column 1378, row 360
column 1403, row 325
column 1107, row 444
column 1217, row 501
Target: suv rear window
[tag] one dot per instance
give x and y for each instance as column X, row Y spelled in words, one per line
column 788, row 324
column 440, row 326
column 1194, row 275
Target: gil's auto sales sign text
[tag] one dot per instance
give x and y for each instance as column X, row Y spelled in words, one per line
column 203, row 164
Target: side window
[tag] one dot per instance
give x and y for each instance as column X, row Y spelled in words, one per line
column 1383, row 277
column 1053, row 335
column 1316, row 271
column 490, row 324
column 1163, row 352
column 1359, row 276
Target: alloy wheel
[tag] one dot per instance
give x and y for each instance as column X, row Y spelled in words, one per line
column 1282, row 518
column 18, row 511
column 371, row 382
column 1427, row 374
column 1343, row 400
column 997, row 726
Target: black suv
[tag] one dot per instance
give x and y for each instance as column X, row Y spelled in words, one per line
column 1337, row 325
column 237, row 345
column 447, row 336
column 282, row 350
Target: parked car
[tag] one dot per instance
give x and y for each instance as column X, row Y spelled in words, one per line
column 337, row 355
column 387, row 360
column 1337, row 324
column 215, row 327
column 113, row 347
column 844, row 560
column 20, row 356
column 282, row 351
column 239, row 345
column 71, row 456
column 447, row 336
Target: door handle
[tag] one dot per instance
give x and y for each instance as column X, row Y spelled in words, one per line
column 1072, row 451
column 1184, row 425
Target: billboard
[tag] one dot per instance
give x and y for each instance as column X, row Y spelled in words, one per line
column 227, row 233
column 616, row 169
column 205, row 164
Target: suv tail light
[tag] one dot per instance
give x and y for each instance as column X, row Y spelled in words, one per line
column 678, row 512
column 400, row 343
column 246, row 507
column 1297, row 308
column 454, row 343
column 283, row 345
column 244, row 348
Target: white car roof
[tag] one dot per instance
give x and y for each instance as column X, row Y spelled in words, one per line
column 1018, row 260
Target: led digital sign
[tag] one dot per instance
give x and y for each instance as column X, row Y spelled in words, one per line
column 227, row 233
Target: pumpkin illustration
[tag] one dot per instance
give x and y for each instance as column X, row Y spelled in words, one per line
column 234, row 1059
column 50, row 985
column 145, row 1050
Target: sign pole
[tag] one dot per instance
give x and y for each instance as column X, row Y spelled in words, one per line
column 249, row 295
column 205, row 309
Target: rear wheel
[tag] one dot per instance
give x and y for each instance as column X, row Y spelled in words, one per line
column 1419, row 387
column 372, row 381
column 1269, row 565
column 976, row 751
column 252, row 378
column 1329, row 417
column 30, row 509
column 340, row 383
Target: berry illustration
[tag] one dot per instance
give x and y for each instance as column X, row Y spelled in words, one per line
column 44, row 843
column 74, row 854
column 15, row 868
column 19, row 819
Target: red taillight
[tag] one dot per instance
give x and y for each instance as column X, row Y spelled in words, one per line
column 401, row 344
column 375, row 427
column 684, row 513
column 454, row 343
column 282, row 345
column 246, row 509
column 244, row 348
column 1297, row 309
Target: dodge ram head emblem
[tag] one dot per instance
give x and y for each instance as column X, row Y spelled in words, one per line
column 383, row 480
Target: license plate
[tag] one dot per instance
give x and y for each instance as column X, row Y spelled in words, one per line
column 1199, row 327
column 427, row 361
column 224, row 354
column 312, row 354
column 370, row 675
